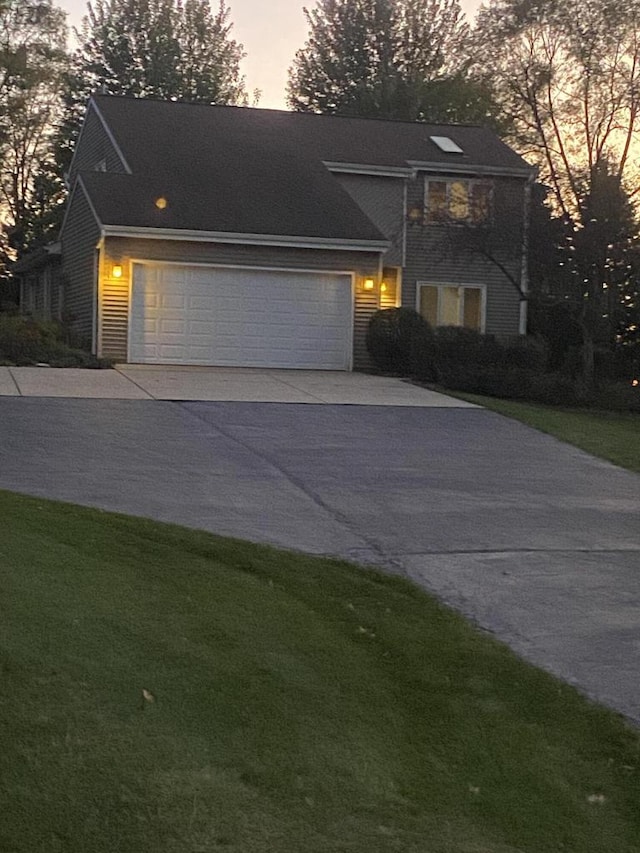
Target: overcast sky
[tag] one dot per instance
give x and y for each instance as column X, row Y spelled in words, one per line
column 271, row 32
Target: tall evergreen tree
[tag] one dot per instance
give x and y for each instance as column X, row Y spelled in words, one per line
column 401, row 59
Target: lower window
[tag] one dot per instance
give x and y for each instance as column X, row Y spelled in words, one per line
column 452, row 305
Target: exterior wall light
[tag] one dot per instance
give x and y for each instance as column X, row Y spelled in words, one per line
column 414, row 215
column 369, row 284
column 383, row 288
column 161, row 203
column 116, row 272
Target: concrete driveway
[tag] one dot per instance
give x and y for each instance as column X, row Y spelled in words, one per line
column 535, row 540
column 149, row 382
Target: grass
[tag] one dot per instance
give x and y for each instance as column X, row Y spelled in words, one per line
column 299, row 704
column 611, row 435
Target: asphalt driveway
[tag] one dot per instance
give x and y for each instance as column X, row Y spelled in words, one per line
column 534, row 539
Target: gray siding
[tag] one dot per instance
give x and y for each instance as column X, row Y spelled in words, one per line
column 94, row 146
column 79, row 240
column 457, row 254
column 114, row 307
column 382, row 199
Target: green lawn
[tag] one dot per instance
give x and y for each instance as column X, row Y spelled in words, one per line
column 611, row 435
column 301, row 705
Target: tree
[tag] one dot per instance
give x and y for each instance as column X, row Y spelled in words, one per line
column 402, row 60
column 568, row 76
column 32, row 63
column 160, row 49
column 209, row 59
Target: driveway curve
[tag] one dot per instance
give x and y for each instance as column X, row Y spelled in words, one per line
column 535, row 540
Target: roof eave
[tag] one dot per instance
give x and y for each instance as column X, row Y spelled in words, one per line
column 282, row 241
column 364, row 169
column 472, row 169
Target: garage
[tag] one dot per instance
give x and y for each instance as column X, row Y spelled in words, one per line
column 240, row 317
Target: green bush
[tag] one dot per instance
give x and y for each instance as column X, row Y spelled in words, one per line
column 618, row 397
column 400, row 341
column 527, row 353
column 516, row 383
column 24, row 341
column 457, row 348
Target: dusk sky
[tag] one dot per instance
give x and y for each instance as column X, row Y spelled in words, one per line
column 270, row 32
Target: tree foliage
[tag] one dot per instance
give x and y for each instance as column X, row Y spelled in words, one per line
column 160, row 49
column 402, row 60
column 32, row 63
column 568, row 74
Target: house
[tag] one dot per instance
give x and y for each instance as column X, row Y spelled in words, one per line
column 214, row 235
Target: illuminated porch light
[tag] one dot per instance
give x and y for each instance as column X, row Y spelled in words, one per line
column 383, row 287
column 161, row 203
column 116, row 272
column 369, row 284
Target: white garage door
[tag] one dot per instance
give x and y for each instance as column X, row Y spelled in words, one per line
column 240, row 317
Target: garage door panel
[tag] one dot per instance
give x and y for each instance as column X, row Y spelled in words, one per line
column 201, row 327
column 172, row 327
column 239, row 317
column 172, row 301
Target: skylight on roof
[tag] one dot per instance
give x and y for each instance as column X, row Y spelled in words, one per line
column 446, row 144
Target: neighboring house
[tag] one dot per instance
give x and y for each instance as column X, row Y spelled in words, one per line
column 233, row 236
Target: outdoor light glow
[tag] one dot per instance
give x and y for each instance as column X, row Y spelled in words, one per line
column 117, row 271
column 369, row 284
column 635, row 382
column 383, row 288
column 161, row 203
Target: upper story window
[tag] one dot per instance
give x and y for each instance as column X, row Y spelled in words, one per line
column 458, row 201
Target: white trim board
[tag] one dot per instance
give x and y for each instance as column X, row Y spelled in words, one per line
column 184, row 235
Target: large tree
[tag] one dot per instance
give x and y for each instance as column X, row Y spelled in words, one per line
column 401, row 59
column 567, row 74
column 32, row 63
column 160, row 49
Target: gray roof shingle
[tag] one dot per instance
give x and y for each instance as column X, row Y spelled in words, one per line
column 254, row 171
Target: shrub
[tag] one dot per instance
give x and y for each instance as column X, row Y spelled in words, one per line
column 555, row 389
column 527, row 353
column 400, row 341
column 458, row 348
column 516, row 383
column 24, row 341
column 618, row 397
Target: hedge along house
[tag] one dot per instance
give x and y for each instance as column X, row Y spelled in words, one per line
column 233, row 236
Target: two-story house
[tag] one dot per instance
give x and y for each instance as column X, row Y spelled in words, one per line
column 233, row 236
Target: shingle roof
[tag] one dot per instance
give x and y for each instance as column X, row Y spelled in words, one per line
column 243, row 170
column 290, row 198
column 148, row 131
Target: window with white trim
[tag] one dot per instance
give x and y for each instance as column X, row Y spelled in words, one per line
column 452, row 305
column 458, row 201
